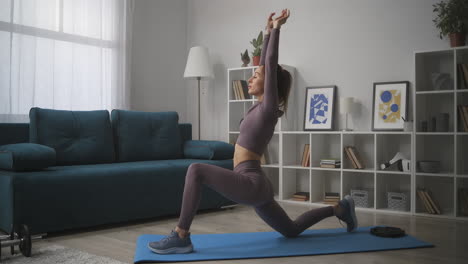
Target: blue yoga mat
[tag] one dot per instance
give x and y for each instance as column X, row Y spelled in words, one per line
column 273, row 244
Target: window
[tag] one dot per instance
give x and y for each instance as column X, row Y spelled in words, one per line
column 63, row 54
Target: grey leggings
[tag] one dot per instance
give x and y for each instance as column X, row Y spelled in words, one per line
column 246, row 184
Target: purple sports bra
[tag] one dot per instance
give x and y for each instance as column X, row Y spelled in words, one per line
column 258, row 125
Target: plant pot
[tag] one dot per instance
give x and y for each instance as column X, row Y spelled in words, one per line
column 457, row 39
column 255, row 60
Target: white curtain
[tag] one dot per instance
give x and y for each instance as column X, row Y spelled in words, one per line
column 64, row 54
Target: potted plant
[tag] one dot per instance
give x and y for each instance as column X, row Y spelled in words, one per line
column 452, row 20
column 257, row 44
column 245, row 58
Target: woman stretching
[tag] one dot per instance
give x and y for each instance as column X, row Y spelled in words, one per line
column 247, row 183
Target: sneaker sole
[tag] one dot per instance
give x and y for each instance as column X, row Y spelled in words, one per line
column 353, row 213
column 174, row 250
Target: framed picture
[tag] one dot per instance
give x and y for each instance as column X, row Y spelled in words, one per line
column 390, row 105
column 318, row 108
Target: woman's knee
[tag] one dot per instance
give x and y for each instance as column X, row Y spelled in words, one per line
column 194, row 172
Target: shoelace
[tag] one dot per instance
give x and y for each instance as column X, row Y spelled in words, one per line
column 341, row 223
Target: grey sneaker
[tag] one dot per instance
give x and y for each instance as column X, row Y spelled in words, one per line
column 172, row 244
column 349, row 214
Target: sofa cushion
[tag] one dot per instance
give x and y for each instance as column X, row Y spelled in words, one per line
column 208, row 149
column 143, row 136
column 78, row 137
column 26, row 156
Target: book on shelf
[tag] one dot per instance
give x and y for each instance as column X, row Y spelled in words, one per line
column 331, row 198
column 330, row 163
column 424, row 201
column 428, row 201
column 300, row 196
column 241, row 89
column 348, row 154
column 463, row 116
column 305, row 161
column 245, row 89
column 357, row 157
column 234, row 89
column 330, row 166
column 463, row 201
column 462, row 72
column 354, row 157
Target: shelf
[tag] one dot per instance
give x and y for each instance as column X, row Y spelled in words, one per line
column 325, row 169
column 322, row 182
column 462, row 91
column 462, row 176
column 296, row 202
column 440, row 174
column 391, row 211
column 394, row 132
column 435, row 133
column 436, row 92
column 243, row 68
column 243, row 101
column 360, row 171
column 271, row 165
column 295, row 167
column 358, row 132
column 393, row 172
column 295, row 132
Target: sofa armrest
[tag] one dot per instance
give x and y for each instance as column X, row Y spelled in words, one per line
column 26, row 157
column 208, row 149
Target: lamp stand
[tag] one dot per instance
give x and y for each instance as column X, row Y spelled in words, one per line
column 199, row 135
column 346, row 128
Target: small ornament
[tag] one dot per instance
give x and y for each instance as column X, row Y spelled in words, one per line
column 245, row 58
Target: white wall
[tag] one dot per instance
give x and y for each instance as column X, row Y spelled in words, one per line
column 158, row 56
column 351, row 44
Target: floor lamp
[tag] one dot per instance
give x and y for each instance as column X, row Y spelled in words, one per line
column 198, row 66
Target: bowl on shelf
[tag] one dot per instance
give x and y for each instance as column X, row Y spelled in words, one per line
column 429, row 166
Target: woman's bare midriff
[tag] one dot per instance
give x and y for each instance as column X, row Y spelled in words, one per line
column 242, row 154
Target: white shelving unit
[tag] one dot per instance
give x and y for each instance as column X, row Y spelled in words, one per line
column 286, row 147
column 450, row 147
column 375, row 147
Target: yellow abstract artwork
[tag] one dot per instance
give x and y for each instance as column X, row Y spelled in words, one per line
column 389, row 106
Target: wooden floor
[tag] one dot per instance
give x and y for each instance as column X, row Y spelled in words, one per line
column 118, row 242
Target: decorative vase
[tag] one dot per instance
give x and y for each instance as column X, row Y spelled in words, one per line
column 256, row 60
column 457, row 39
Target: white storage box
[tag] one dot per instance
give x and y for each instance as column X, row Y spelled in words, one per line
column 362, row 197
column 397, row 201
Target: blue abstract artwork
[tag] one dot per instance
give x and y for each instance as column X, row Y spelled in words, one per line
column 318, row 109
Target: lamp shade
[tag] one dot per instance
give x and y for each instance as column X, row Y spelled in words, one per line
column 198, row 63
column 346, row 104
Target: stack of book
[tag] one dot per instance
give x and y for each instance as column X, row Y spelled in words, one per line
column 240, row 89
column 331, row 198
column 463, row 201
column 463, row 76
column 306, row 156
column 330, row 163
column 429, row 203
column 354, row 157
column 301, row 196
column 463, row 116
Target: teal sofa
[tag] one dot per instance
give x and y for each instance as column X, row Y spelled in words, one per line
column 99, row 168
